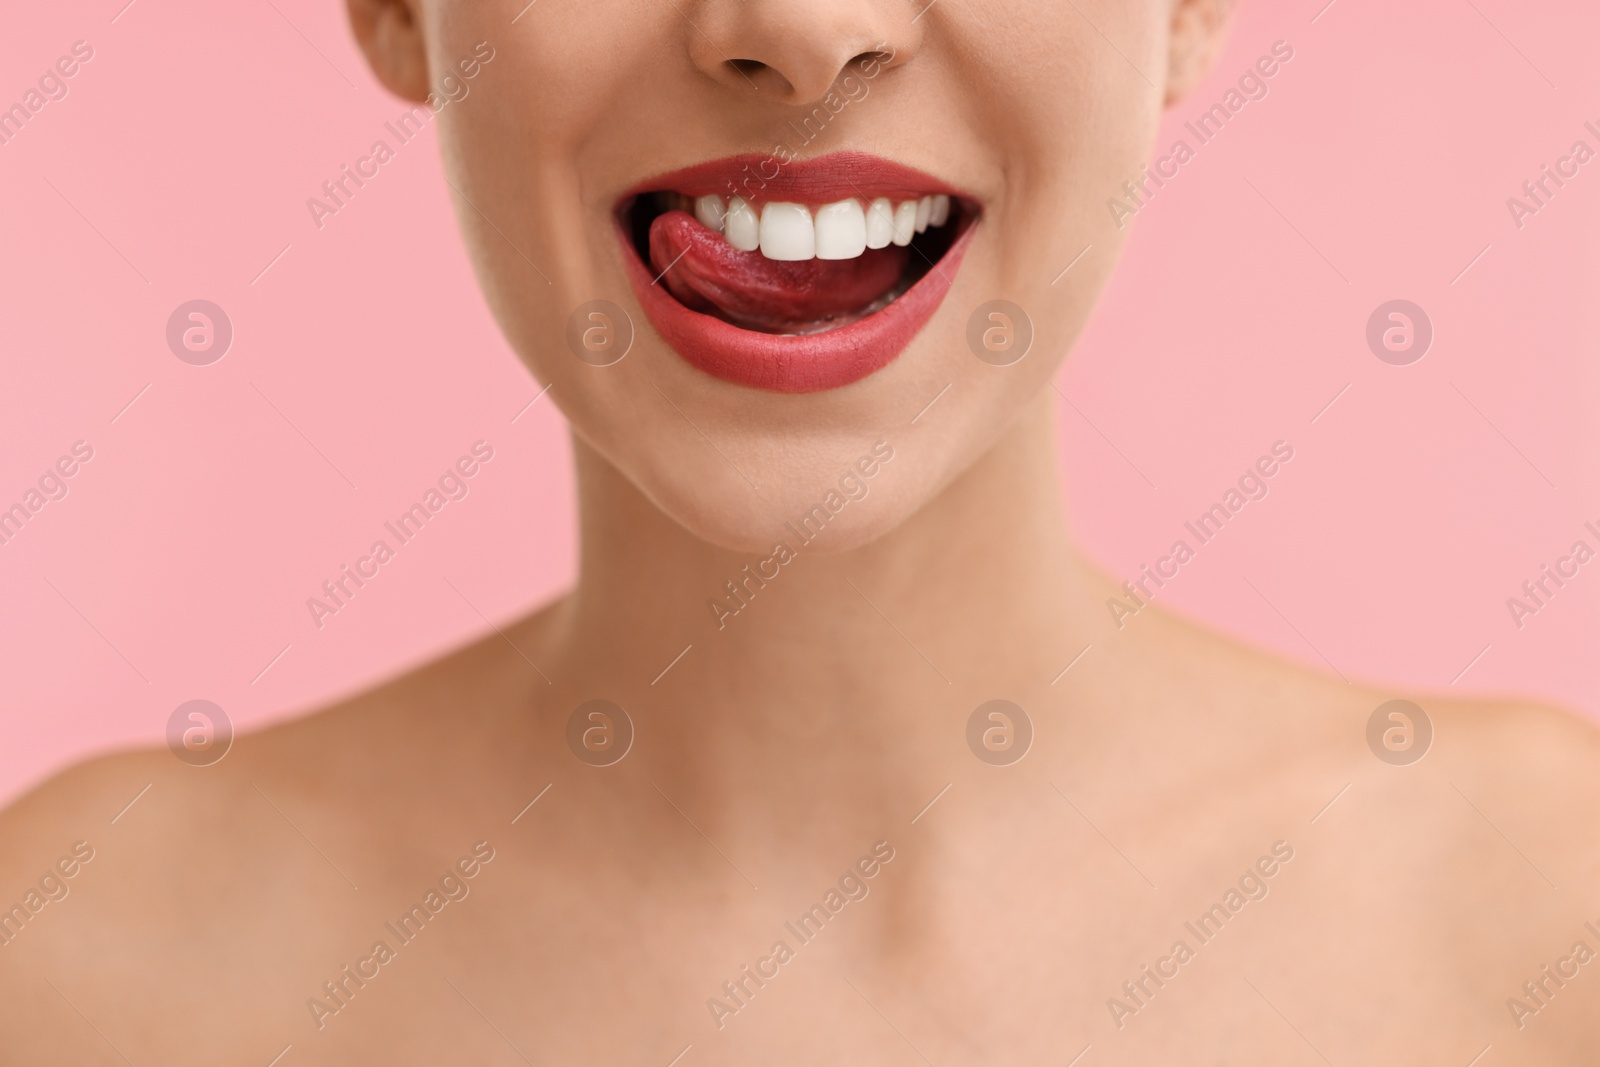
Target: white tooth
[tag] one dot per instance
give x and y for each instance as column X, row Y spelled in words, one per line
column 880, row 223
column 905, row 223
column 710, row 210
column 924, row 212
column 841, row 230
column 741, row 226
column 787, row 232
column 941, row 211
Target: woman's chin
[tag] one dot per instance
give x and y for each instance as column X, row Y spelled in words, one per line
column 806, row 513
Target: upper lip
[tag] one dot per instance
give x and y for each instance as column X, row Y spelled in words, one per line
column 822, row 180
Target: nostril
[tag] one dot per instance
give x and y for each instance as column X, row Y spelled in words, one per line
column 747, row 67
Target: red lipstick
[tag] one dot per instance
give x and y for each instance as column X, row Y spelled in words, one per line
column 777, row 318
column 812, row 181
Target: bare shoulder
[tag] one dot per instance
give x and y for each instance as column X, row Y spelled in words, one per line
column 1476, row 778
column 1520, row 733
column 86, row 807
column 437, row 713
column 239, row 875
column 1456, row 842
column 93, row 793
column 1514, row 737
column 87, row 859
column 1538, row 764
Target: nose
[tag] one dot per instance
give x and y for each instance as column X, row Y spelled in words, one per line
column 794, row 51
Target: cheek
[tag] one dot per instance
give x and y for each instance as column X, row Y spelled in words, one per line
column 543, row 243
column 1071, row 121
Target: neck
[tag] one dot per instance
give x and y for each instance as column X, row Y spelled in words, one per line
column 873, row 655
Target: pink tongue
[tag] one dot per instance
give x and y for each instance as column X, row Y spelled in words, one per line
column 710, row 275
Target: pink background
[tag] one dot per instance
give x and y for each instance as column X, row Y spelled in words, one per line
column 364, row 362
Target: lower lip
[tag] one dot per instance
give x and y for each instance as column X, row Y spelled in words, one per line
column 808, row 363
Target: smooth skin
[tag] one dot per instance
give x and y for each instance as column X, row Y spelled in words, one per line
column 826, row 715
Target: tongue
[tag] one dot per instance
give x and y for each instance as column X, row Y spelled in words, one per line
column 710, row 275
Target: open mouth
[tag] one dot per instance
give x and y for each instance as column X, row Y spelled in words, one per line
column 804, row 279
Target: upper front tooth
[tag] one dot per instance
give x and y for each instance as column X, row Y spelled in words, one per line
column 905, row 223
column 710, row 210
column 741, row 226
column 880, row 223
column 841, row 230
column 787, row 232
